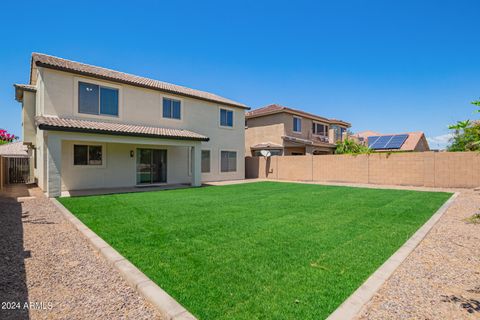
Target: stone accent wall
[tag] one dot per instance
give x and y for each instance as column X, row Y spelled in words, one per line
column 429, row 169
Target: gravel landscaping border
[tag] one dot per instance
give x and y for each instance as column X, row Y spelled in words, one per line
column 354, row 304
column 161, row 300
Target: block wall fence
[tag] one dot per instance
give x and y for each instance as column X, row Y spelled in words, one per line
column 429, row 169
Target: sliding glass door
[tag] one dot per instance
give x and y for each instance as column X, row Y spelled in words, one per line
column 151, row 166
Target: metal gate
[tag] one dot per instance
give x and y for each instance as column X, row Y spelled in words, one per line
column 18, row 170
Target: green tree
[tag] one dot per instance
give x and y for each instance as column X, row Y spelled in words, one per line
column 350, row 146
column 466, row 135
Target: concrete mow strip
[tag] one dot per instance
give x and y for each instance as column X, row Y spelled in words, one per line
column 161, row 300
column 354, row 304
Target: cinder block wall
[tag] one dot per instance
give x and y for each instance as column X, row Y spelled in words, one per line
column 430, row 169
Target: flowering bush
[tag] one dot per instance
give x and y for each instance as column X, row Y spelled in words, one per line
column 6, row 137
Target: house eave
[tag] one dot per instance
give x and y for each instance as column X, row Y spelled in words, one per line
column 47, row 127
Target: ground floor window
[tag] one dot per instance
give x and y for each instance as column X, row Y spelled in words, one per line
column 87, row 155
column 228, row 161
column 205, row 161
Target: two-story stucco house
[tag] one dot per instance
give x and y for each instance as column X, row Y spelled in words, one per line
column 91, row 127
column 287, row 131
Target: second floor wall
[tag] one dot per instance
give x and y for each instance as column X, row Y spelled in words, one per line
column 58, row 95
column 302, row 127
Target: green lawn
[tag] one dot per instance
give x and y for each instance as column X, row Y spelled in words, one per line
column 266, row 250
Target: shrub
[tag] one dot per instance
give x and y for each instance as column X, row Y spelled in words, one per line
column 350, row 146
column 6, row 137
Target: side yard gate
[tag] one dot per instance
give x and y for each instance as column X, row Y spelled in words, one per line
column 17, row 170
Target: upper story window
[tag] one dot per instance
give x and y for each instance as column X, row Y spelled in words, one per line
column 338, row 133
column 226, row 118
column 297, row 124
column 96, row 99
column 172, row 109
column 320, row 129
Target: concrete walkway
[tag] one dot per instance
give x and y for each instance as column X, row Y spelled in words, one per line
column 48, row 270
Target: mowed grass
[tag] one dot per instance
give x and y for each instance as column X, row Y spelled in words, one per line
column 266, row 250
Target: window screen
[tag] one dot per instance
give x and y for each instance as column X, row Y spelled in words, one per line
column 205, row 160
column 228, row 161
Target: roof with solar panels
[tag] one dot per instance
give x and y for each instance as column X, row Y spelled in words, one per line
column 411, row 141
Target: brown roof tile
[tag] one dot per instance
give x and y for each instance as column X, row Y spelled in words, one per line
column 46, row 61
column 410, row 144
column 275, row 108
column 26, row 87
column 14, row 150
column 75, row 125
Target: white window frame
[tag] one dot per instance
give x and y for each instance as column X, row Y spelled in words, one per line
column 220, row 117
column 76, row 80
column 321, row 123
column 293, row 124
column 89, row 144
column 220, row 161
column 182, row 109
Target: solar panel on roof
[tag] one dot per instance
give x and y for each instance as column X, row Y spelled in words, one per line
column 397, row 141
column 381, row 142
column 372, row 140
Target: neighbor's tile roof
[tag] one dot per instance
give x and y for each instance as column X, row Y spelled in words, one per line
column 46, row 61
column 266, row 145
column 14, row 149
column 307, row 141
column 414, row 138
column 75, row 125
column 276, row 108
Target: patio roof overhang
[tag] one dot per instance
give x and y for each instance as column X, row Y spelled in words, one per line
column 115, row 129
column 306, row 142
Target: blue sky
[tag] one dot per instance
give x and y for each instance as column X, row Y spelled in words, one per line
column 388, row 66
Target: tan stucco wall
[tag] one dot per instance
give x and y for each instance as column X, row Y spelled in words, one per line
column 268, row 133
column 57, row 95
column 119, row 168
column 430, row 169
column 28, row 117
column 290, row 150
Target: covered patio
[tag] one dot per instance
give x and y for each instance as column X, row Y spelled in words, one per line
column 83, row 156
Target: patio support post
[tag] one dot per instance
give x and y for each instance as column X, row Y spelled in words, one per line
column 197, row 165
column 54, row 162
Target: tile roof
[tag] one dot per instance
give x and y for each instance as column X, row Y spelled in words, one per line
column 267, row 145
column 276, row 108
column 20, row 88
column 87, row 126
column 307, row 141
column 26, row 87
column 14, row 149
column 413, row 140
column 47, row 61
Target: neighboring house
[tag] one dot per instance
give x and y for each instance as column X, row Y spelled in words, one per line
column 287, row 131
column 92, row 127
column 410, row 141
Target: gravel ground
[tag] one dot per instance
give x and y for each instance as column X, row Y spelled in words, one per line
column 46, row 262
column 441, row 278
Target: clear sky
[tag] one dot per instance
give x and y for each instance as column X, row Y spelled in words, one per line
column 387, row 66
